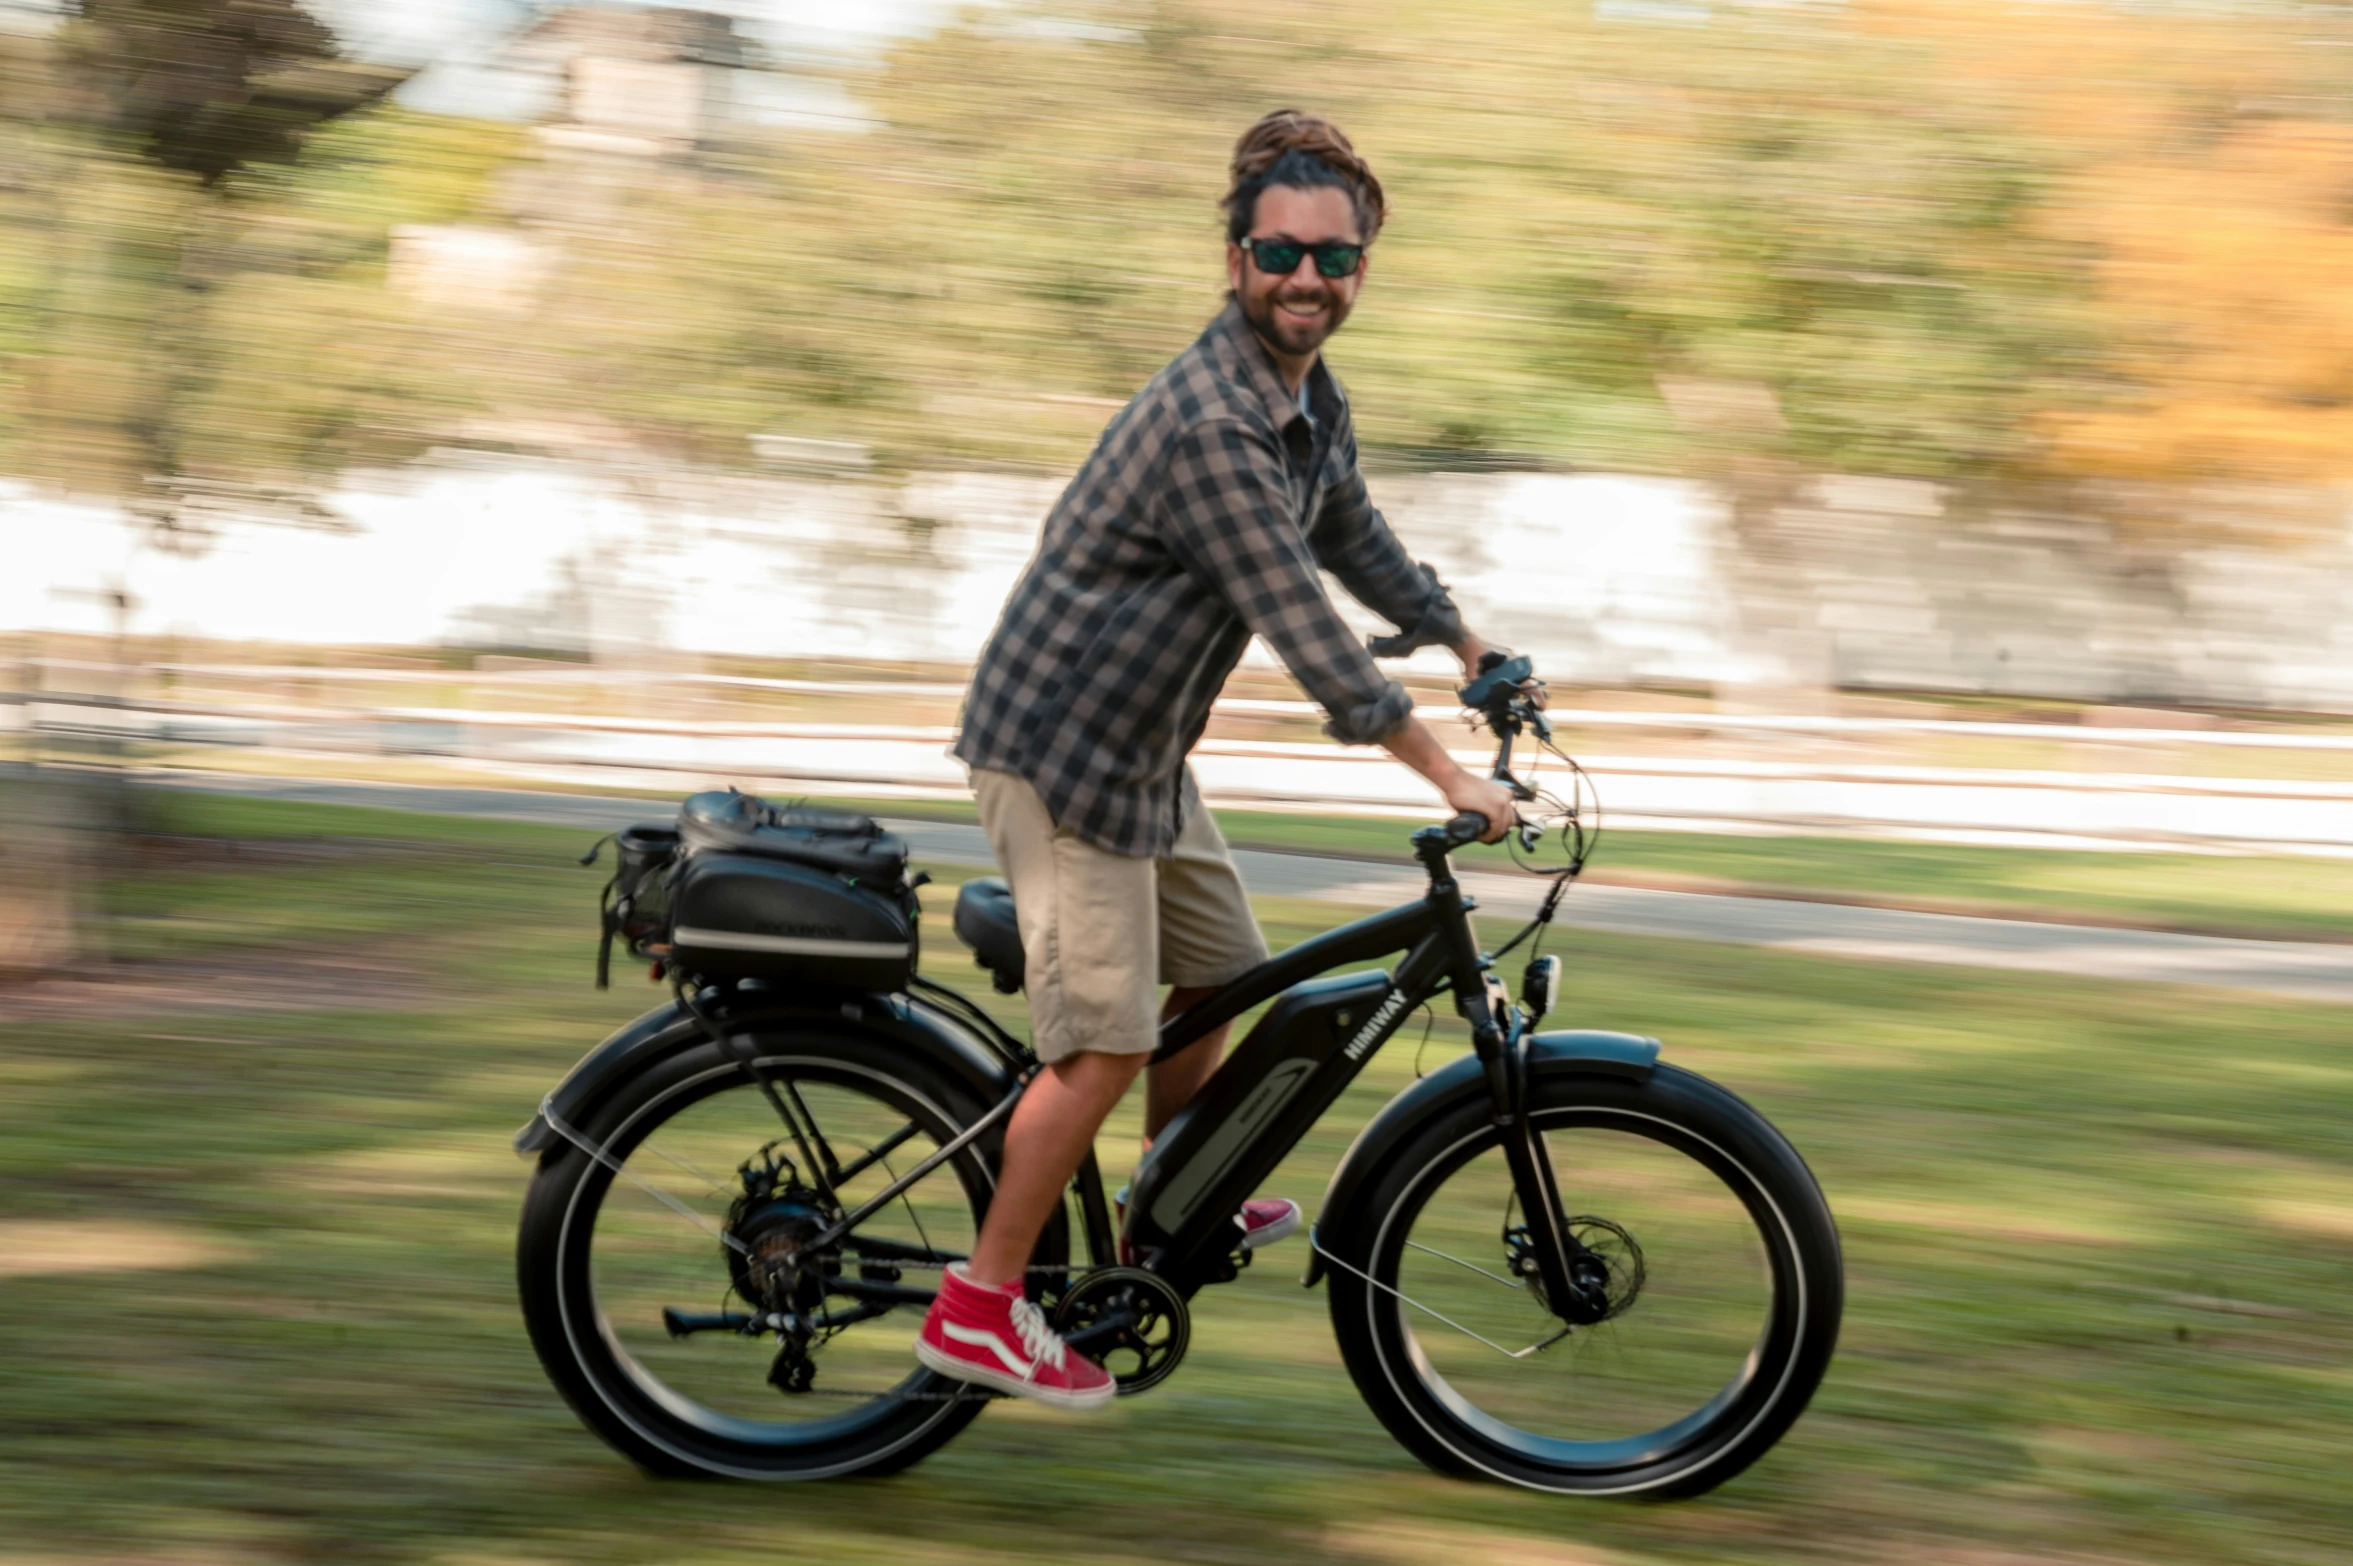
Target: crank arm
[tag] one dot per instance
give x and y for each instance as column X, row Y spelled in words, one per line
column 1110, row 1327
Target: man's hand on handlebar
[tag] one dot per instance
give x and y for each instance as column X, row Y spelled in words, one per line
column 1478, row 658
column 1471, row 794
column 1413, row 744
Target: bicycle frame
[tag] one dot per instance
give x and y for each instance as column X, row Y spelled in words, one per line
column 1314, row 1040
column 1303, row 1054
column 1311, row 1044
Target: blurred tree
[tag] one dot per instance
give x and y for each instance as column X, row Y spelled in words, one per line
column 2200, row 169
column 212, row 86
column 117, row 347
column 1781, row 206
column 194, row 92
column 1904, row 237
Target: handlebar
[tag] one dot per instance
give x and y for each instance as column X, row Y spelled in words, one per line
column 1465, row 829
column 1500, row 692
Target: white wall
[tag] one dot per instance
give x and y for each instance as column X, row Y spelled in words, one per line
column 1606, row 579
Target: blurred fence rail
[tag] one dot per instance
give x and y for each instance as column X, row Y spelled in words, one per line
column 2053, row 784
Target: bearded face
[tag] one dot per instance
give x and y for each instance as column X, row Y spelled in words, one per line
column 1294, row 312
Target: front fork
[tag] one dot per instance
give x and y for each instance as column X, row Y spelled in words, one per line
column 1575, row 1280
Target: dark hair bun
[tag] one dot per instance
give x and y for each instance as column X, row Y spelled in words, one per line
column 1286, row 131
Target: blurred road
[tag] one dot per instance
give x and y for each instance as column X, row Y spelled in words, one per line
column 2303, row 971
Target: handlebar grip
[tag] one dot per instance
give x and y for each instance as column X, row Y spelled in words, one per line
column 1468, row 827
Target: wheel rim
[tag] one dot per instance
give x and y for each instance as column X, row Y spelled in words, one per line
column 1696, row 1352
column 635, row 1254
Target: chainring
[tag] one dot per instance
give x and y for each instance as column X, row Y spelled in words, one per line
column 1146, row 1349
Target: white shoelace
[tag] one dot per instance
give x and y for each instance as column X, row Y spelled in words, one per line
column 1044, row 1346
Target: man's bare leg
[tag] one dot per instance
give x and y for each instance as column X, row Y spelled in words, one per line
column 1170, row 1085
column 1052, row 1128
column 1056, row 1121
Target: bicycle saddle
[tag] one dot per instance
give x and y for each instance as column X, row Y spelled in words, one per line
column 984, row 922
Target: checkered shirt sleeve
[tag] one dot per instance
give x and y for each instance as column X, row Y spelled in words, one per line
column 1228, row 521
column 1352, row 541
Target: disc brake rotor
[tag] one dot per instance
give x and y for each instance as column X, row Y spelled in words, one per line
column 1612, row 1263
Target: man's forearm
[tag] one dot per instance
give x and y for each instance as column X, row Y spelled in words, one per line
column 1412, row 743
column 1470, row 650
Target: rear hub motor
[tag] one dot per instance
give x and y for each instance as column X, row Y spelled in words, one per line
column 775, row 1270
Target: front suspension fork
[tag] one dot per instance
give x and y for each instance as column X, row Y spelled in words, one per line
column 1575, row 1279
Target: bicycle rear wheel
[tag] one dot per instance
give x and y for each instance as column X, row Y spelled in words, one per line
column 1724, row 1289
column 702, row 1214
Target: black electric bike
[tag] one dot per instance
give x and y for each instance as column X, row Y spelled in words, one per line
column 1556, row 1261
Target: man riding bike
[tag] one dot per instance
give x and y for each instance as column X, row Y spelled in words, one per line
column 1205, row 516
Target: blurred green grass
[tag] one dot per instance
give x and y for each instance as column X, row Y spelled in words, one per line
column 255, row 1229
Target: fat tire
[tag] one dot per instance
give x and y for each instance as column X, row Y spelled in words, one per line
column 552, row 1267
column 1803, row 1256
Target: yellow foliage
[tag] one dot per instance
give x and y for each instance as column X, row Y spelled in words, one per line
column 2210, row 190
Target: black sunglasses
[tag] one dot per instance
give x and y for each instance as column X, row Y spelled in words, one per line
column 1280, row 257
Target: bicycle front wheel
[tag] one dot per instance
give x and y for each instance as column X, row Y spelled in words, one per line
column 1724, row 1291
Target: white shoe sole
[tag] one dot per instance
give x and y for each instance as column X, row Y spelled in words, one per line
column 940, row 1364
column 1281, row 1230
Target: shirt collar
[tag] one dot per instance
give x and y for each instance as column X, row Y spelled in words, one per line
column 1258, row 372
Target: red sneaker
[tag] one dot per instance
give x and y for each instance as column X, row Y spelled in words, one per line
column 1266, row 1219
column 994, row 1337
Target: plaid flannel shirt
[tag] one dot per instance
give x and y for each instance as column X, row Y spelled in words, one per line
column 1205, row 515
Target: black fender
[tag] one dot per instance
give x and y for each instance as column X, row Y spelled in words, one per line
column 1446, row 1089
column 901, row 1021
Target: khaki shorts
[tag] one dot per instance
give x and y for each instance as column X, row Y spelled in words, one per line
column 1101, row 931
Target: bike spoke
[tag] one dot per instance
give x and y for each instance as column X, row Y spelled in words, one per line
column 711, row 1182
